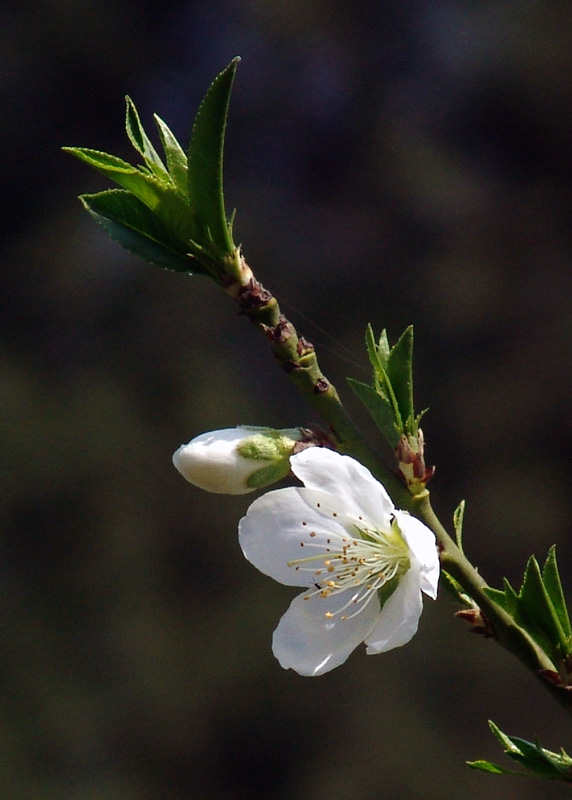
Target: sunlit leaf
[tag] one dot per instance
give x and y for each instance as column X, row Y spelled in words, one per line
column 205, row 162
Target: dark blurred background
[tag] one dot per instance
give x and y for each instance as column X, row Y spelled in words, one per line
column 391, row 163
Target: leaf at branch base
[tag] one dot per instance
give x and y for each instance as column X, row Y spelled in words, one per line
column 539, row 761
column 158, row 195
column 379, row 408
column 551, row 578
column 138, row 230
column 539, row 608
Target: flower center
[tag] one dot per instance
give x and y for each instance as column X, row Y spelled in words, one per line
column 361, row 566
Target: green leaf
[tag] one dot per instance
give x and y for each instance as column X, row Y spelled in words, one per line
column 383, row 349
column 488, row 766
column 539, row 761
column 141, row 141
column 205, row 162
column 553, row 586
column 458, row 518
column 378, row 356
column 175, row 155
column 379, row 408
column 158, row 195
column 400, row 374
column 506, row 598
column 537, row 606
column 534, row 610
column 138, row 230
column 456, row 590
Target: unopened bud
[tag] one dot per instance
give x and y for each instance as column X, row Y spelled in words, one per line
column 238, row 460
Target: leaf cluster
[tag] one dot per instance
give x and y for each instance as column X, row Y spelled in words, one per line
column 171, row 212
column 539, row 761
column 539, row 607
column 389, row 398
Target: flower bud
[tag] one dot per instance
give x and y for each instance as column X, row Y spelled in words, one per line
column 238, row 460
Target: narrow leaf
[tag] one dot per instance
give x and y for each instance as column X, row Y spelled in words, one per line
column 488, row 766
column 506, row 599
column 553, row 586
column 536, row 606
column 175, row 155
column 399, row 371
column 539, row 761
column 379, row 408
column 138, row 230
column 505, row 740
column 104, row 162
column 383, row 349
column 458, row 518
column 455, row 589
column 205, row 161
column 140, row 140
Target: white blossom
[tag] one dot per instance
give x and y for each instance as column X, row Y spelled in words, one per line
column 237, row 460
column 364, row 563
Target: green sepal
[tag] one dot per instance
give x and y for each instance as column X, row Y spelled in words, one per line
column 539, row 607
column 379, row 408
column 175, row 155
column 141, row 141
column 137, row 229
column 387, row 590
column 539, row 761
column 205, row 162
column 157, row 194
column 265, row 476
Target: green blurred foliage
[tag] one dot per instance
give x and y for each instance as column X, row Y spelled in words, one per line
column 391, row 164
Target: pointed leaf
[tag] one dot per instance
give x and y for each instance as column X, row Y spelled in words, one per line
column 379, row 408
column 399, row 371
column 138, row 230
column 536, row 759
column 553, row 586
column 383, row 349
column 141, row 141
column 506, row 598
column 381, row 382
column 536, row 606
column 175, row 155
column 455, row 589
column 488, row 766
column 372, row 350
column 458, row 517
column 533, row 610
column 205, row 161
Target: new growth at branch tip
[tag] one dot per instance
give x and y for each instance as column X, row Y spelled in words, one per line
column 389, row 400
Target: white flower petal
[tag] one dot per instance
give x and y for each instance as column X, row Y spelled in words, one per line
column 399, row 617
column 422, row 543
column 352, row 486
column 310, row 643
column 278, row 528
